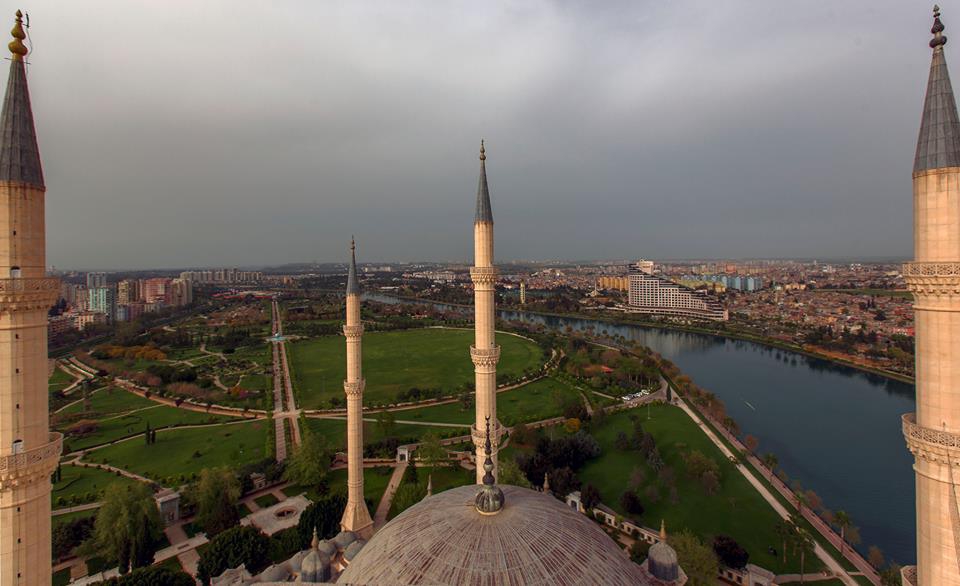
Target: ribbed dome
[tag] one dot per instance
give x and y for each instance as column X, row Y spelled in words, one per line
column 662, row 561
column 534, row 539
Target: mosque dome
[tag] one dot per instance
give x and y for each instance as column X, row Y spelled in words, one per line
column 662, row 562
column 533, row 539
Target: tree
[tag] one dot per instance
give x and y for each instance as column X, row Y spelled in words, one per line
column 697, row 560
column 407, row 495
column 431, row 452
column 638, row 551
column 310, row 461
column 589, row 496
column 729, row 552
column 751, row 443
column 324, row 516
column 770, row 461
column 521, row 434
column 842, row 520
column 631, row 503
column 784, row 530
column 153, row 576
column 239, row 545
column 386, row 423
column 217, row 494
column 803, row 542
column 509, row 473
column 127, row 525
column 875, row 557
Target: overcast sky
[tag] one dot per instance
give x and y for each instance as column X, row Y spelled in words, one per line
column 229, row 132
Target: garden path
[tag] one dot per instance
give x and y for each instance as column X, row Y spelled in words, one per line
column 380, row 517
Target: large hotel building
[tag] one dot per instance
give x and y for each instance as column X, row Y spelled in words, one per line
column 655, row 295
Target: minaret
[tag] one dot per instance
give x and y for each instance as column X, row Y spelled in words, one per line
column 485, row 352
column 356, row 517
column 28, row 451
column 933, row 432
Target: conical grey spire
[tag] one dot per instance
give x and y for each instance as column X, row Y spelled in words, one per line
column 484, row 211
column 939, row 142
column 19, row 155
column 353, row 284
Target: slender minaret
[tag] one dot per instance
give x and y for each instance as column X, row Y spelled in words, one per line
column 485, row 352
column 356, row 517
column 933, row 432
column 28, row 451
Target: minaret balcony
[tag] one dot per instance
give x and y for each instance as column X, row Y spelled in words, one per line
column 483, row 275
column 31, row 465
column 354, row 389
column 25, row 294
column 485, row 356
column 935, row 445
column 353, row 331
column 932, row 278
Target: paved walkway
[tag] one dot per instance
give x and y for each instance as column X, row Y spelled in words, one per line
column 383, row 509
column 791, row 578
column 821, row 553
column 75, row 509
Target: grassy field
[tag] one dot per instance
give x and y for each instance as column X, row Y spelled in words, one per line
column 120, row 414
column 538, row 400
column 334, row 431
column 67, row 517
column 441, row 477
column 81, row 485
column 185, row 452
column 736, row 509
column 397, row 361
column 59, row 380
column 375, row 482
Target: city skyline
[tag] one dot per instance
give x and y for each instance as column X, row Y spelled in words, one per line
column 233, row 136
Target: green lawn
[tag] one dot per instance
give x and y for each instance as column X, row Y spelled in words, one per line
column 266, row 500
column 334, row 431
column 538, row 400
column 188, row 451
column 441, row 477
column 59, row 380
column 81, row 485
column 67, row 517
column 122, row 414
column 375, row 481
column 736, row 509
column 397, row 361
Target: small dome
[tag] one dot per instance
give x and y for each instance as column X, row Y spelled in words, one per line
column 533, row 540
column 353, row 549
column 314, row 567
column 344, row 539
column 662, row 562
column 327, row 548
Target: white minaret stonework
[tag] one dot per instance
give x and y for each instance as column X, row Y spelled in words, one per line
column 933, row 432
column 356, row 517
column 28, row 451
column 485, row 352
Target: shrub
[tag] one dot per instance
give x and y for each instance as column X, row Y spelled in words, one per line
column 631, row 503
column 229, row 549
column 729, row 552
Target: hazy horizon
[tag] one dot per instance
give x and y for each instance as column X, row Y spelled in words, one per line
column 225, row 134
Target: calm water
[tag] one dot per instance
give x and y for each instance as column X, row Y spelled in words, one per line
column 834, row 428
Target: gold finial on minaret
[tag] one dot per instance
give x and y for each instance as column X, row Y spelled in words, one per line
column 483, row 155
column 939, row 39
column 17, row 48
column 663, row 530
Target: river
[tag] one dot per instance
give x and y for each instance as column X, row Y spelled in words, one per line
column 833, row 428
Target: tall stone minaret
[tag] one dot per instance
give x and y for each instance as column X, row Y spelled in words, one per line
column 356, row 517
column 28, row 451
column 485, row 352
column 933, row 432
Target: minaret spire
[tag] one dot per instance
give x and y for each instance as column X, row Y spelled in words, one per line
column 356, row 517
column 485, row 353
column 490, row 498
column 19, row 155
column 28, row 451
column 933, row 432
column 939, row 142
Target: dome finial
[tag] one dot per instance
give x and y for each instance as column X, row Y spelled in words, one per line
column 939, row 39
column 315, row 542
column 16, row 46
column 489, row 498
column 663, row 530
column 483, row 153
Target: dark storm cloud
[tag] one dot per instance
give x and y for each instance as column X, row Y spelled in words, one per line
column 246, row 133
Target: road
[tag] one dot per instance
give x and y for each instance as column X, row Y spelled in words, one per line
column 284, row 402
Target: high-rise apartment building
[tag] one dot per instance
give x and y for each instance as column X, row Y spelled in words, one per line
column 658, row 296
column 96, row 280
column 102, row 300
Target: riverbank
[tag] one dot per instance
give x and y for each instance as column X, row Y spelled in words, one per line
column 732, row 335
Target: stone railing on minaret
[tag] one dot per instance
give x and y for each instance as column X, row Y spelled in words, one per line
column 933, row 433
column 484, row 352
column 356, row 517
